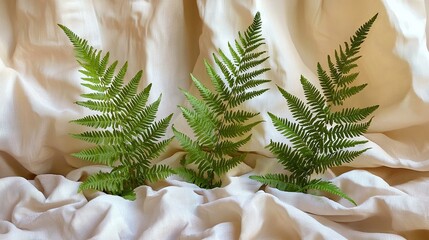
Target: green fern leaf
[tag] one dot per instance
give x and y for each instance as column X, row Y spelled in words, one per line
column 219, row 127
column 319, row 137
column 129, row 138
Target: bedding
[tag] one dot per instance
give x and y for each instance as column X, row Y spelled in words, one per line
column 39, row 83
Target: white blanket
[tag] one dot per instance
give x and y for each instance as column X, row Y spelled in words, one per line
column 39, row 83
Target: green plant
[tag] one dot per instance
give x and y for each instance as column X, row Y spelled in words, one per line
column 218, row 125
column 125, row 133
column 321, row 137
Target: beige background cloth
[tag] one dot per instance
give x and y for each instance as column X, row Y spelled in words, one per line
column 39, row 81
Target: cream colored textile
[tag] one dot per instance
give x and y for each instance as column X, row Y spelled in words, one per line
column 39, row 82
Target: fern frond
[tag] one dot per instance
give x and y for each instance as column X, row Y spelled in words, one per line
column 320, row 138
column 219, row 127
column 129, row 138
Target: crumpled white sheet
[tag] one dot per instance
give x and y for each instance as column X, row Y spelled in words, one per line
column 168, row 40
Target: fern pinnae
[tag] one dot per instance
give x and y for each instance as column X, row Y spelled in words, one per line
column 97, row 121
column 319, row 137
column 219, row 128
column 327, row 186
column 125, row 133
column 350, row 115
column 102, row 181
column 103, row 154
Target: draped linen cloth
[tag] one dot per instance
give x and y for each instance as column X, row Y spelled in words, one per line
column 39, row 83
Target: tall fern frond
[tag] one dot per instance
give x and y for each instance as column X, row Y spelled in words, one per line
column 320, row 137
column 219, row 128
column 125, row 133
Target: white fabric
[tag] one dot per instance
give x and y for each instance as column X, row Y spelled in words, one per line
column 168, row 40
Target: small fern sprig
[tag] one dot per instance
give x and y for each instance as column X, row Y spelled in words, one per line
column 220, row 128
column 320, row 137
column 125, row 129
